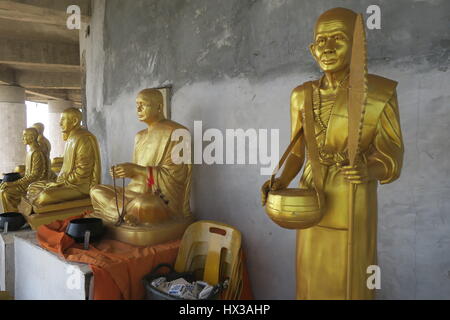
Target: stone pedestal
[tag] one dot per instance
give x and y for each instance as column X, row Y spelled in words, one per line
column 7, row 260
column 42, row 275
column 55, row 108
column 13, row 119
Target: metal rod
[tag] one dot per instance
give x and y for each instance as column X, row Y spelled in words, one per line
column 351, row 213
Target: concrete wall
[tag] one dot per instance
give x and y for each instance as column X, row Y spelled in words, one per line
column 232, row 64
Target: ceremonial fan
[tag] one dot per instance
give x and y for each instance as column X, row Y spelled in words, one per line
column 357, row 94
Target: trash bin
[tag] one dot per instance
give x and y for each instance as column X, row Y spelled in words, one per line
column 153, row 293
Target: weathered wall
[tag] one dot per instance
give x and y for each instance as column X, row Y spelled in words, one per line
column 232, row 64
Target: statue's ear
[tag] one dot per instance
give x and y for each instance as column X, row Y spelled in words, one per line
column 76, row 121
column 311, row 50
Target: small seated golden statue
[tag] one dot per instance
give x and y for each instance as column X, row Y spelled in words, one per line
column 80, row 171
column 44, row 143
column 155, row 205
column 36, row 168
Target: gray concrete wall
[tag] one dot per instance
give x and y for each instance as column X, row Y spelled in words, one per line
column 232, row 64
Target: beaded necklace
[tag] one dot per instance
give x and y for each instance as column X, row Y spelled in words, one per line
column 318, row 103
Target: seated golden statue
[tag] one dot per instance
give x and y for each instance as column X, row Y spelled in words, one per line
column 36, row 168
column 20, row 169
column 45, row 146
column 42, row 140
column 150, row 217
column 81, row 167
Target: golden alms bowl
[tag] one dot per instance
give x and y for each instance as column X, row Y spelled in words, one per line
column 294, row 208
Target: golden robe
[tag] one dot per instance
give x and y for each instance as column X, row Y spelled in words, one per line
column 37, row 167
column 45, row 145
column 153, row 148
column 80, row 171
column 322, row 250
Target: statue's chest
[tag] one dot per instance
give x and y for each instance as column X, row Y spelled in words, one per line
column 331, row 124
column 149, row 150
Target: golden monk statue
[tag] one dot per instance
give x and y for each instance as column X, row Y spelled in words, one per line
column 322, row 250
column 37, row 167
column 44, row 143
column 81, row 167
column 159, row 191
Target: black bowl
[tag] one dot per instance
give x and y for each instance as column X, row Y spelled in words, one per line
column 15, row 221
column 78, row 227
column 11, row 177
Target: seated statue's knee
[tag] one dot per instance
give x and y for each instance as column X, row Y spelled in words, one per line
column 95, row 190
column 42, row 199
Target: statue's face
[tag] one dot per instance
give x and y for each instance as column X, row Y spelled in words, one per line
column 39, row 127
column 27, row 137
column 68, row 122
column 332, row 45
column 147, row 111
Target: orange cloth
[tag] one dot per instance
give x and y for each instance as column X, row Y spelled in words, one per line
column 118, row 267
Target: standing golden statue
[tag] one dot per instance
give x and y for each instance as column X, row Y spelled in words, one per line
column 333, row 256
column 81, row 167
column 37, row 167
column 156, row 206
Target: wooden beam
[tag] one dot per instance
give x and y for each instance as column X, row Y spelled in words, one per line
column 74, row 95
column 48, row 94
column 48, row 80
column 17, row 11
column 45, row 95
column 64, row 57
column 7, row 75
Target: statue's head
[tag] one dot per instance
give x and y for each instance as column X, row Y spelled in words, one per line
column 70, row 120
column 333, row 39
column 39, row 127
column 149, row 105
column 30, row 136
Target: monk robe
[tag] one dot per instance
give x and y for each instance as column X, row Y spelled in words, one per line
column 80, row 171
column 153, row 149
column 45, row 145
column 322, row 250
column 37, row 167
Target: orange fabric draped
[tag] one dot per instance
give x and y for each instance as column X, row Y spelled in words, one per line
column 118, row 268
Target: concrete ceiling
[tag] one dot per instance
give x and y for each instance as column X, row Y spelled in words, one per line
column 38, row 51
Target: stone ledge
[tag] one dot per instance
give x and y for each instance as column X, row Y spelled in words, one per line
column 42, row 275
column 7, row 259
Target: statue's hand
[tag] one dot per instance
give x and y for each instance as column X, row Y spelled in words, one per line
column 131, row 220
column 125, row 170
column 356, row 174
column 54, row 185
column 265, row 189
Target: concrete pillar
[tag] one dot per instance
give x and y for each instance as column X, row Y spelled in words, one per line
column 55, row 108
column 13, row 119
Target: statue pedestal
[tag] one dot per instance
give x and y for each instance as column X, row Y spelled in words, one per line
column 38, row 216
column 42, row 275
column 148, row 236
column 7, row 259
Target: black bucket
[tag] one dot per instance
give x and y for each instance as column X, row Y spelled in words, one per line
column 11, row 177
column 15, row 221
column 77, row 229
